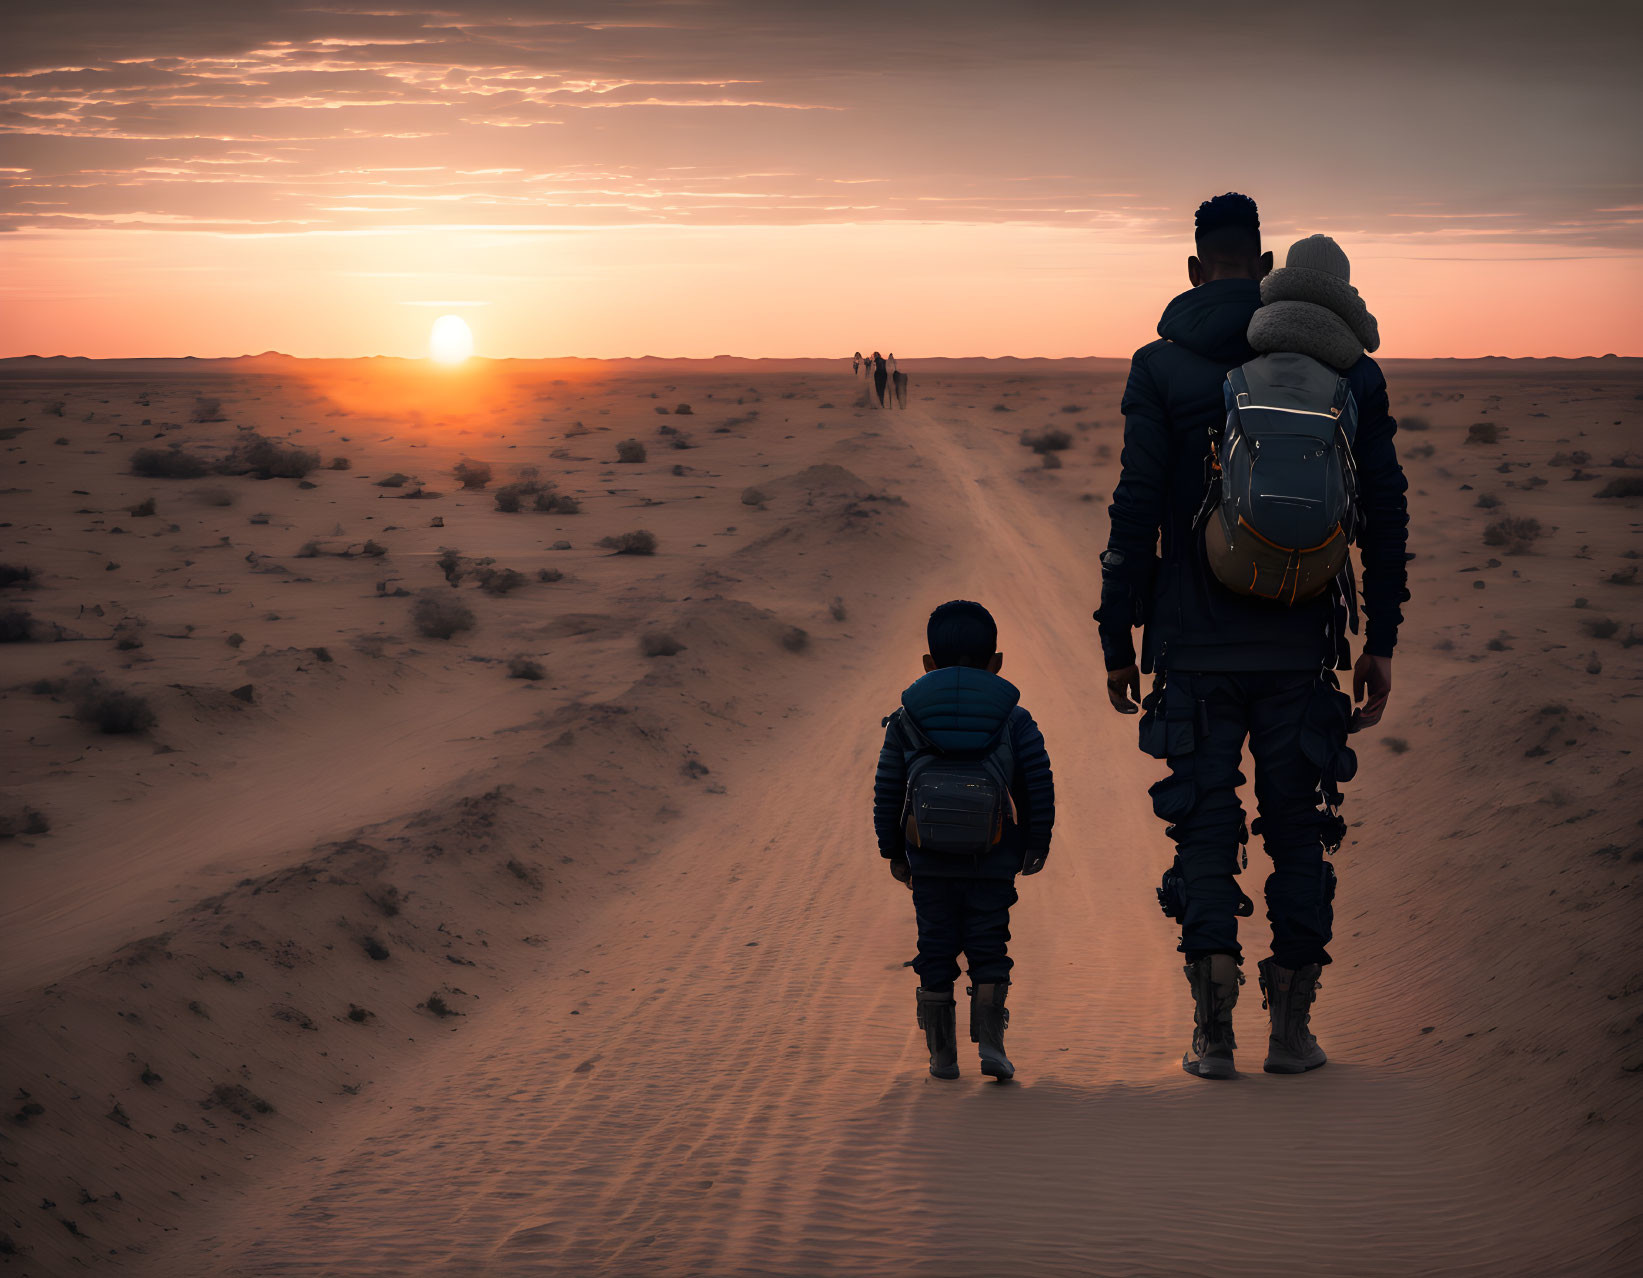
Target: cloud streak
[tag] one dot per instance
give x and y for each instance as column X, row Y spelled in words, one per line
column 188, row 114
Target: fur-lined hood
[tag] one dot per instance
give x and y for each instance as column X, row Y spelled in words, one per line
column 1313, row 312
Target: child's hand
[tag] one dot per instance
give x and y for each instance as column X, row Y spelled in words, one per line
column 901, row 872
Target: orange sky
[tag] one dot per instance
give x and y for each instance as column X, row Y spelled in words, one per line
column 672, row 178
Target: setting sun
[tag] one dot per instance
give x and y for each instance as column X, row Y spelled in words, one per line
column 451, row 341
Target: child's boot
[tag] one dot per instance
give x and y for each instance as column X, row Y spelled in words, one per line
column 1215, row 980
column 1288, row 994
column 938, row 1018
column 988, row 1017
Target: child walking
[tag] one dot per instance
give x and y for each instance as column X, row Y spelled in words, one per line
column 963, row 802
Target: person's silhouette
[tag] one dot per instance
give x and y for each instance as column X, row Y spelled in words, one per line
column 855, row 365
column 881, row 375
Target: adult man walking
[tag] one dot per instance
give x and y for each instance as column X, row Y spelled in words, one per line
column 1230, row 665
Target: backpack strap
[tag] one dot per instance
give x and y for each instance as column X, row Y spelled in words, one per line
column 913, row 740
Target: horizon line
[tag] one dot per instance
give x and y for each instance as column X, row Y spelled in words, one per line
column 708, row 359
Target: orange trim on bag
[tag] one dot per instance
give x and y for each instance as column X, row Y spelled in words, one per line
column 1288, row 550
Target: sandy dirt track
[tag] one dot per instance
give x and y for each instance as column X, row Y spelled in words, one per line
column 686, row 1040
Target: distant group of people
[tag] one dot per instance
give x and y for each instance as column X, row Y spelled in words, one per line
column 882, row 369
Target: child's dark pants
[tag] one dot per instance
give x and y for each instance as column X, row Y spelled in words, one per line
column 968, row 916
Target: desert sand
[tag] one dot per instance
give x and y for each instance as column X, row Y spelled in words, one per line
column 367, row 958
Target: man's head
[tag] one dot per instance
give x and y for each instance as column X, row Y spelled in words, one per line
column 1228, row 237
column 962, row 633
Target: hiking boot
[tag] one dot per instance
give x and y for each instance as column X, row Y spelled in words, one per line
column 988, row 1019
column 1288, row 996
column 1215, row 980
column 938, row 1018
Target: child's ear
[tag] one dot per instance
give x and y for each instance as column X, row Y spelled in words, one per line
column 997, row 663
column 929, row 663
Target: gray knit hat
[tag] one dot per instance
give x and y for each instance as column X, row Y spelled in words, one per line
column 1309, row 305
column 1319, row 253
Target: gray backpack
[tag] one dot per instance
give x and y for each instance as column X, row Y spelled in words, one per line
column 956, row 803
column 1282, row 502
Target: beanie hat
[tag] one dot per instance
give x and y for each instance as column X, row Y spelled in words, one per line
column 1309, row 306
column 1319, row 253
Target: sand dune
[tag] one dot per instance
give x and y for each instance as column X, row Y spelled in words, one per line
column 368, row 958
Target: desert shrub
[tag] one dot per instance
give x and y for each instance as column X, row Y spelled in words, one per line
column 549, row 574
column 795, row 639
column 268, row 459
column 1397, row 745
column 1420, row 451
column 214, row 496
column 16, row 575
column 1002, row 408
column 684, row 410
column 1487, row 501
column 682, row 440
column 310, row 550
column 206, row 410
column 237, row 1099
column 837, row 608
column 168, row 463
column 499, row 581
column 1513, row 533
column 630, row 450
column 472, row 474
column 1579, row 457
column 395, row 480
column 1414, row 423
column 1624, row 486
column 658, row 643
column 22, row 819
column 1601, row 627
column 508, row 498
column 341, row 463
column 526, row 874
column 525, row 668
column 755, row 497
column 1483, row 433
column 16, row 625
column 113, row 710
column 1049, row 440
column 439, row 1007
column 54, row 408
column 450, row 563
column 1052, row 461
column 639, row 542
column 438, row 615
column 552, row 503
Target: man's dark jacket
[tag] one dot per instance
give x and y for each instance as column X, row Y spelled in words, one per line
column 962, row 709
column 1155, row 572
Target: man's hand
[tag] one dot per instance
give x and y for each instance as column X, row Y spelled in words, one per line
column 1034, row 864
column 901, row 872
column 1124, row 689
column 1372, row 675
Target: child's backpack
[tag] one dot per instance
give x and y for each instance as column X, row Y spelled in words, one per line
column 1281, row 505
column 956, row 802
